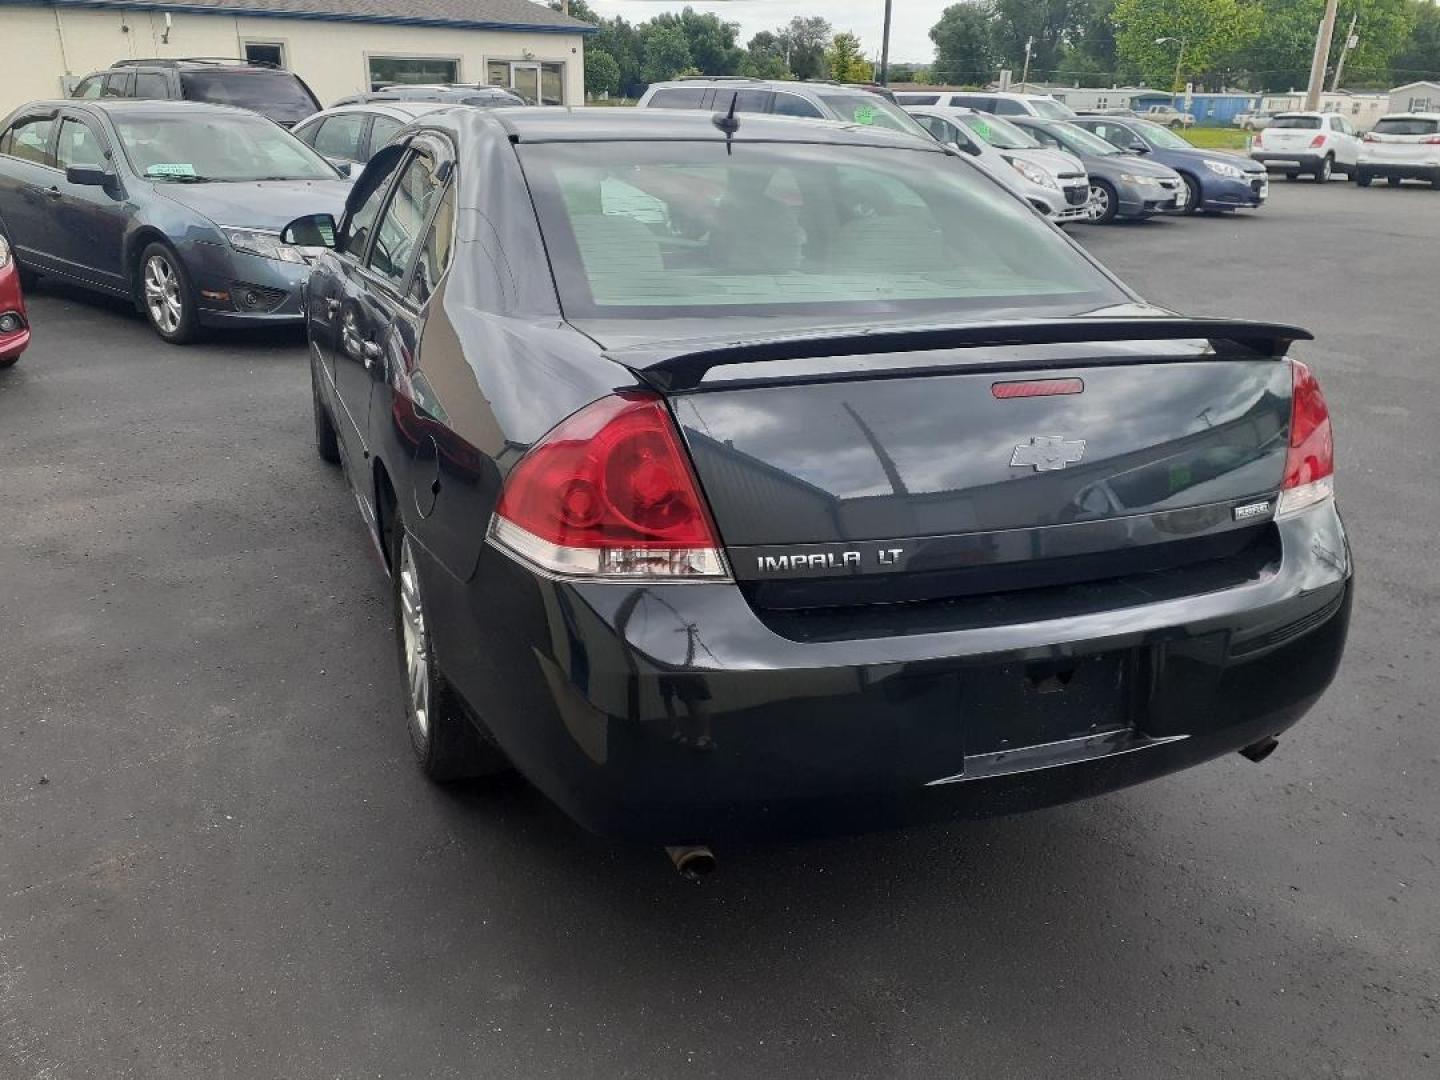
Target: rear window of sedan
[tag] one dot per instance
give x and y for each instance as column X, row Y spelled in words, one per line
column 1404, row 125
column 664, row 230
column 1309, row 123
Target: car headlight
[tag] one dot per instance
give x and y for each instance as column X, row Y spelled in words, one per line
column 1130, row 178
column 1034, row 173
column 4, row 253
column 1224, row 168
column 266, row 245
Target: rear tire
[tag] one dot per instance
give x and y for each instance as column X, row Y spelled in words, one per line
column 327, row 443
column 1362, row 178
column 1393, row 181
column 1327, row 166
column 448, row 746
column 1292, row 176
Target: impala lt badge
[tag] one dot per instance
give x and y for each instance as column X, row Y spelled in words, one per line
column 1045, row 453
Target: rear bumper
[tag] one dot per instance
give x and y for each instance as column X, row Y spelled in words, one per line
column 1404, row 170
column 675, row 714
column 1282, row 161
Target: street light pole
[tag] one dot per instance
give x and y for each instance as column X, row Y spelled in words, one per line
column 1025, row 75
column 1175, row 86
column 1350, row 42
column 1321, row 57
column 885, row 49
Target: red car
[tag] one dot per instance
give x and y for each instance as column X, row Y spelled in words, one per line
column 14, row 328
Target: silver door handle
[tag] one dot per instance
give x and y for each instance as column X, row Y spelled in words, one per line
column 332, row 305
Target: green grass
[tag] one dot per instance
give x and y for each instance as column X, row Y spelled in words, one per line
column 1217, row 138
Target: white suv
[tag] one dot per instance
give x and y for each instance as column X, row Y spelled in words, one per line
column 1401, row 145
column 1041, row 105
column 1308, row 142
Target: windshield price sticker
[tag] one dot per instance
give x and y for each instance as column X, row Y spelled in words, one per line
column 865, row 114
column 169, row 169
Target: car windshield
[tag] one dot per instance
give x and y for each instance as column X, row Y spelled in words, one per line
column 259, row 90
column 1079, row 141
column 695, row 229
column 179, row 148
column 1051, row 109
column 999, row 133
column 872, row 110
column 1405, row 125
column 1309, row 123
column 1159, row 136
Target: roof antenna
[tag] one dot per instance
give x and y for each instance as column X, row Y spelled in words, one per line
column 728, row 123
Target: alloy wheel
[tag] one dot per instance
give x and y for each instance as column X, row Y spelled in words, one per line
column 417, row 644
column 162, row 294
column 1099, row 205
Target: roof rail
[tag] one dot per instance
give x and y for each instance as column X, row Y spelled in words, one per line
column 176, row 61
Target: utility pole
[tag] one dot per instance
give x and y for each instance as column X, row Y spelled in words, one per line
column 885, row 49
column 1175, row 86
column 1350, row 42
column 1025, row 74
column 1321, row 57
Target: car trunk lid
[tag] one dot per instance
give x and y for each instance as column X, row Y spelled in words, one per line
column 931, row 463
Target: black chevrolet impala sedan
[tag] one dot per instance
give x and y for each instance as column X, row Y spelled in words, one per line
column 797, row 477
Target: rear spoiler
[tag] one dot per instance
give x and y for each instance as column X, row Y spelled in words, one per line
column 681, row 369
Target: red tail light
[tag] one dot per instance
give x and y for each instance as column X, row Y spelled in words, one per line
column 1310, row 462
column 1257, row 141
column 609, row 493
column 1319, row 140
column 1431, row 140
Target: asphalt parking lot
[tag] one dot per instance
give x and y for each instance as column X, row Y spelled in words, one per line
column 218, row 860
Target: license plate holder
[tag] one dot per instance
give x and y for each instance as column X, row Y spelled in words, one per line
column 1020, row 704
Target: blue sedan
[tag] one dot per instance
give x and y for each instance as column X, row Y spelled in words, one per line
column 1214, row 180
column 175, row 205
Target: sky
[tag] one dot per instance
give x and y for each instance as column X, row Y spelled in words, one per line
column 909, row 31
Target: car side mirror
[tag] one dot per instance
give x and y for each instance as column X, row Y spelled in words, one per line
column 344, row 168
column 1138, row 147
column 88, row 176
column 312, row 230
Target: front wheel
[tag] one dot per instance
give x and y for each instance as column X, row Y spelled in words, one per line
column 1192, row 194
column 447, row 744
column 1104, row 203
column 165, row 290
column 1322, row 174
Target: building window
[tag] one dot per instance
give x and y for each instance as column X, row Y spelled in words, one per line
column 409, row 70
column 266, row 52
column 538, row 83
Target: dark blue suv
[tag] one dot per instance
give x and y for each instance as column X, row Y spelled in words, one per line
column 1214, row 180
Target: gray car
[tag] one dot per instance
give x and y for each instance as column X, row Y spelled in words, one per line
column 845, row 103
column 350, row 135
column 175, row 205
column 1121, row 185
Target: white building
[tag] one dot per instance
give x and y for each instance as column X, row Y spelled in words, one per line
column 338, row 47
column 1416, row 97
column 1360, row 109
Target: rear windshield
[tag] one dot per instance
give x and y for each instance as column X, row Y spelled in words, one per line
column 694, row 229
column 258, row 90
column 999, row 133
column 1052, row 110
column 1401, row 125
column 1309, row 123
column 872, row 110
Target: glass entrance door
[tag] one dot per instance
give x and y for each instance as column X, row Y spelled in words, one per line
column 526, row 81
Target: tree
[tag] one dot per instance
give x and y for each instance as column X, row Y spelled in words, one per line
column 602, row 74
column 1215, row 31
column 764, row 66
column 1420, row 56
column 711, row 40
column 846, row 61
column 666, row 51
column 805, row 40
column 622, row 41
column 1049, row 22
column 963, row 49
column 579, row 9
column 1280, row 57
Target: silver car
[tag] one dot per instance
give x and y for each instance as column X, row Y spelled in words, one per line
column 841, row 102
column 1052, row 181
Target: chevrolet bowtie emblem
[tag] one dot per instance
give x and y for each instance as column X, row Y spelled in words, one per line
column 1044, row 453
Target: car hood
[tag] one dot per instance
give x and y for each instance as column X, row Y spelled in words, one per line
column 1198, row 155
column 1133, row 164
column 1055, row 162
column 264, row 204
